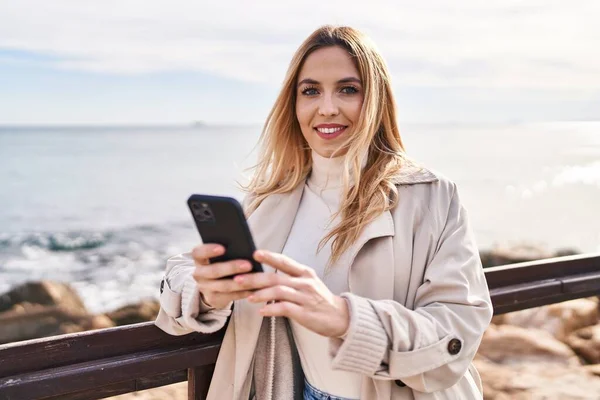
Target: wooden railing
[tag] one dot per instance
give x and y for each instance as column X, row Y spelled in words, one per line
column 102, row 363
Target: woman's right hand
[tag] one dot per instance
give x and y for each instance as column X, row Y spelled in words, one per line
column 216, row 292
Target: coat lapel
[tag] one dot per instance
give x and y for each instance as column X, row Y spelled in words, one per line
column 381, row 226
column 272, row 221
column 270, row 225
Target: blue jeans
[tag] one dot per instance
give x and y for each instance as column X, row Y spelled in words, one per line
column 312, row 393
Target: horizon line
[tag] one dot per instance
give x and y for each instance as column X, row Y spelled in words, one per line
column 203, row 124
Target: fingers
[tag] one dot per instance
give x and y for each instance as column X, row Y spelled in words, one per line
column 225, row 298
column 261, row 280
column 290, row 287
column 282, row 263
column 253, row 282
column 282, row 309
column 221, row 286
column 221, row 270
column 278, row 293
column 222, row 291
column 203, row 252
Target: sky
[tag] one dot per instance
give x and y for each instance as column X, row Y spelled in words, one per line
column 173, row 62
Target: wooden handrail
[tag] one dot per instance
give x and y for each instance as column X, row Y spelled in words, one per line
column 537, row 283
column 102, row 363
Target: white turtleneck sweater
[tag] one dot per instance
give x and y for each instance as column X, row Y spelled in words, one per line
column 320, row 200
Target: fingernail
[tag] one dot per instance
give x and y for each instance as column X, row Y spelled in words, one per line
column 216, row 249
column 259, row 253
column 239, row 279
column 242, row 266
column 251, row 297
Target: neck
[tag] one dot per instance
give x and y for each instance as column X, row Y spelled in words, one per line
column 328, row 172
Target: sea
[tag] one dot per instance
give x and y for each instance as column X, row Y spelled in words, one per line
column 103, row 208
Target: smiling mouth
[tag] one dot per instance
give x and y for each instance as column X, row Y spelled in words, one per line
column 330, row 130
column 330, row 133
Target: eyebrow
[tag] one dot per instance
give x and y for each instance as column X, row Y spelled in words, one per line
column 344, row 80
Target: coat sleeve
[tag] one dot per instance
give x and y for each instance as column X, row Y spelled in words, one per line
column 430, row 347
column 182, row 309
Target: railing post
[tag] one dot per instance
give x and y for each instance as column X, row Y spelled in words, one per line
column 199, row 381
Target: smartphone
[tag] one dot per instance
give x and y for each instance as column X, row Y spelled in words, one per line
column 221, row 220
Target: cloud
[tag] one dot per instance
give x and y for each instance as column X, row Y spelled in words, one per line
column 496, row 44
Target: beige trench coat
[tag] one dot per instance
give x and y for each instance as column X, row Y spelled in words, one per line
column 419, row 302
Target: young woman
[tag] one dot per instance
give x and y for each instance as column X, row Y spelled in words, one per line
column 373, row 282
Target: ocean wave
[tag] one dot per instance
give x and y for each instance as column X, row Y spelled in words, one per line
column 104, row 266
column 63, row 241
column 79, row 240
column 584, row 174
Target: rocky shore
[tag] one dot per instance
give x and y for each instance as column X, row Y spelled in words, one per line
column 550, row 352
column 41, row 309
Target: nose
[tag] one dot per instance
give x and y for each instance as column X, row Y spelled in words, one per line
column 328, row 106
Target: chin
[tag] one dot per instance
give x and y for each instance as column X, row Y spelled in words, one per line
column 326, row 148
column 328, row 151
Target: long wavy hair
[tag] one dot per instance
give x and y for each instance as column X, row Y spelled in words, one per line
column 284, row 157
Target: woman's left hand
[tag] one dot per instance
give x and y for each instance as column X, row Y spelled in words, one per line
column 299, row 295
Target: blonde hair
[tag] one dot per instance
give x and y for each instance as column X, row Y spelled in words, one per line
column 284, row 158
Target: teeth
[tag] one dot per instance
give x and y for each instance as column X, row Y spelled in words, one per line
column 330, row 130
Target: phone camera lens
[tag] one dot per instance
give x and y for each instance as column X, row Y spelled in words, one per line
column 203, row 213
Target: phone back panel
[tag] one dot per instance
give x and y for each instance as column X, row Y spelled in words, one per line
column 221, row 220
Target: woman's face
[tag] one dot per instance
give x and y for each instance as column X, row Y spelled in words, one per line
column 329, row 99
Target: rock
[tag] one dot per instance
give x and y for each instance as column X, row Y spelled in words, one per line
column 41, row 309
column 519, row 253
column 135, row 313
column 176, row 391
column 519, row 363
column 35, row 321
column 536, row 381
column 101, row 321
column 45, row 293
column 513, row 254
column 566, row 252
column 586, row 343
column 559, row 319
column 507, row 344
column 594, row 369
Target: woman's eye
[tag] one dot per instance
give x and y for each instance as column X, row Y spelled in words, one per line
column 310, row 92
column 349, row 90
